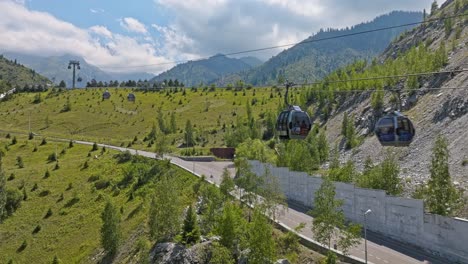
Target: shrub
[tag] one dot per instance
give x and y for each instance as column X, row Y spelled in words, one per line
column 44, row 141
column 95, row 147
column 12, row 177
column 35, row 187
column 49, row 213
column 19, row 162
column 14, row 141
column 72, row 201
column 13, row 201
column 101, row 184
column 44, row 193
column 93, row 178
column 23, row 246
column 37, row 229
column 46, row 174
column 52, row 157
column 123, row 156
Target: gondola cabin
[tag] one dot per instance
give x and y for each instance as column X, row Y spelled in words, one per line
column 395, row 130
column 106, row 95
column 131, row 97
column 293, row 123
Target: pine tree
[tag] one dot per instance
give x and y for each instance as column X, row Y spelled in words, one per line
column 191, row 229
column 344, row 124
column 442, row 197
column 434, row 7
column 227, row 184
column 389, row 175
column 260, row 240
column 173, row 124
column 350, row 134
column 230, row 226
column 322, row 145
column 329, row 218
column 165, row 210
column 189, row 135
column 110, row 230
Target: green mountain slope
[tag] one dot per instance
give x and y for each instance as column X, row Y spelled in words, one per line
column 13, row 74
column 206, row 71
column 56, row 69
column 311, row 61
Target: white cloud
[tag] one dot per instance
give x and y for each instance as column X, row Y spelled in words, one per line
column 96, row 10
column 101, row 30
column 227, row 26
column 133, row 25
column 39, row 33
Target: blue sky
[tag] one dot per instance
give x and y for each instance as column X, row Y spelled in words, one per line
column 149, row 35
column 87, row 13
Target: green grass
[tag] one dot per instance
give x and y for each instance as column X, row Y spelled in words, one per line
column 118, row 121
column 72, row 231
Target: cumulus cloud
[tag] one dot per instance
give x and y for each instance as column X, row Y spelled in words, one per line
column 133, row 25
column 234, row 25
column 101, row 30
column 33, row 32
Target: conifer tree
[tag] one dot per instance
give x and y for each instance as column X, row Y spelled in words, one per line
column 322, row 145
column 329, row 218
column 441, row 197
column 189, row 135
column 191, row 230
column 110, row 230
column 230, row 226
column 260, row 240
column 344, row 124
column 227, row 184
column 165, row 210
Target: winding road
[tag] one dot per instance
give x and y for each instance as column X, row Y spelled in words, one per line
column 380, row 250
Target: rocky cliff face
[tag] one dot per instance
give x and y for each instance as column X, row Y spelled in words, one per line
column 433, row 111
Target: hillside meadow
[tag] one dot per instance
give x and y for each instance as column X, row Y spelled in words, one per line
column 83, row 114
column 60, row 206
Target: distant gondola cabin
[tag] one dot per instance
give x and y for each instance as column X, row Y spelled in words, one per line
column 106, row 95
column 131, row 97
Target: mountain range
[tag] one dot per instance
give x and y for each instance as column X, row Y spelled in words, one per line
column 326, row 51
column 56, row 69
column 309, row 60
column 207, row 71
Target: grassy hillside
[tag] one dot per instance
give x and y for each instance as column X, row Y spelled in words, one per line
column 75, row 198
column 118, row 121
column 16, row 75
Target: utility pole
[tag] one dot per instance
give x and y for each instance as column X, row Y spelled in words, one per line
column 365, row 232
column 75, row 64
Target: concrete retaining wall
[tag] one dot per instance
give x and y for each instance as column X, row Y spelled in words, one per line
column 400, row 218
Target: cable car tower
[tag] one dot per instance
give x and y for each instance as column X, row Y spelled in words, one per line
column 74, row 64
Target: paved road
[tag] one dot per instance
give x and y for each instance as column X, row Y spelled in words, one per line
column 380, row 250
